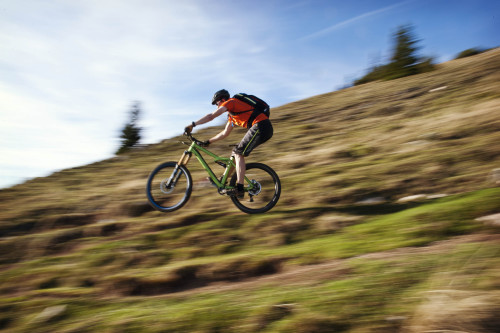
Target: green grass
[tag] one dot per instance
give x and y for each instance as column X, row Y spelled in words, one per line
column 362, row 295
column 358, row 293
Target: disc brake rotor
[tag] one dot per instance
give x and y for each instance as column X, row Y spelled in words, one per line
column 164, row 188
column 256, row 189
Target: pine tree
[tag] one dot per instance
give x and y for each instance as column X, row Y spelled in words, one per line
column 131, row 133
column 404, row 60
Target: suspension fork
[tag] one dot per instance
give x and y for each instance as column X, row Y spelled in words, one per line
column 177, row 171
column 185, row 158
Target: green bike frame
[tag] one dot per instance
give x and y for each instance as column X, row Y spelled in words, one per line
column 227, row 162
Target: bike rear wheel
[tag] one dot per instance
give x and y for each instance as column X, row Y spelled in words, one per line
column 265, row 192
column 169, row 187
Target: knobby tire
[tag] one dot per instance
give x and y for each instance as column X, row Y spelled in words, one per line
column 270, row 191
column 168, row 199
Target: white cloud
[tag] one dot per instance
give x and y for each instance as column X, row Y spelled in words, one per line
column 69, row 71
column 352, row 20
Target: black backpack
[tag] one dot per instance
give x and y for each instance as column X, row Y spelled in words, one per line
column 258, row 106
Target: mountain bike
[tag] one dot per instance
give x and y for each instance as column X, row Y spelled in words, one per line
column 169, row 185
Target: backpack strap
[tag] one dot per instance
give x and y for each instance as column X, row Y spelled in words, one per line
column 245, row 98
column 254, row 115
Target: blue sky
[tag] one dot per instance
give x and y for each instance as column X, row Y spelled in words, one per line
column 70, row 70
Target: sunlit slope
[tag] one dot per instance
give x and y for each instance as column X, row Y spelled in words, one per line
column 385, row 189
column 427, row 133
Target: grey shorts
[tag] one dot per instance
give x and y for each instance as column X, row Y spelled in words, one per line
column 256, row 135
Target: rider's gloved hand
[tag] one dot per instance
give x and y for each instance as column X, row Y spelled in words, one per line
column 188, row 129
column 205, row 143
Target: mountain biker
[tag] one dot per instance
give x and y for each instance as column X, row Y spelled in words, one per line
column 259, row 132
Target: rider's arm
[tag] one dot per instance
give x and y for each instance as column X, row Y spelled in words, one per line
column 211, row 116
column 224, row 133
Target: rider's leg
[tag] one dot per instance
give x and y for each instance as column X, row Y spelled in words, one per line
column 240, row 168
column 256, row 135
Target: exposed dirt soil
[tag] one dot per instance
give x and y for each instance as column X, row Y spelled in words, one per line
column 312, row 274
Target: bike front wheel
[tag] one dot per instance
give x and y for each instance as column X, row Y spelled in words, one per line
column 169, row 187
column 263, row 191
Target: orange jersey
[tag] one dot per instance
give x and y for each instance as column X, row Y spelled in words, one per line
column 240, row 112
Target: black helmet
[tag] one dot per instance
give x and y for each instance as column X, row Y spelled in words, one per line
column 221, row 94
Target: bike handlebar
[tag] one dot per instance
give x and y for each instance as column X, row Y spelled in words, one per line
column 193, row 139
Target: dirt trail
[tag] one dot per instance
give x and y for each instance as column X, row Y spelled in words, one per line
column 311, row 274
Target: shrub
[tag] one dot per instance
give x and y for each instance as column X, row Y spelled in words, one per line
column 469, row 53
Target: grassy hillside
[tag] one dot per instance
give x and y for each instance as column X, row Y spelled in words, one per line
column 385, row 224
